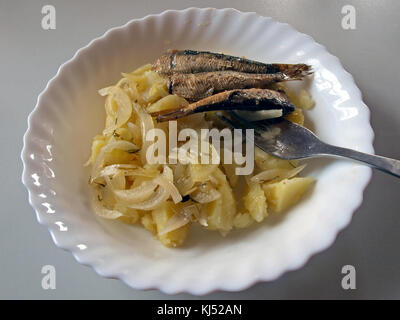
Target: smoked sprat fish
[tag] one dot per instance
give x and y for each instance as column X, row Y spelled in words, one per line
column 238, row 99
column 196, row 86
column 190, row 61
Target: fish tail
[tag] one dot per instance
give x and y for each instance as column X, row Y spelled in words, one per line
column 298, row 71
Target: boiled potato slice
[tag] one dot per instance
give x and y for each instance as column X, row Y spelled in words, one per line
column 302, row 99
column 305, row 100
column 284, row 194
column 160, row 217
column 255, row 202
column 148, row 223
column 242, row 220
column 129, row 220
column 130, row 216
column 220, row 212
column 230, row 171
column 296, row 116
column 265, row 161
column 201, row 172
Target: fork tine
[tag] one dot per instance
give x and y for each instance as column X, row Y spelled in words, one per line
column 264, row 136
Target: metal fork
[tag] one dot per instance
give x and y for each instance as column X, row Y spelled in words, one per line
column 287, row 140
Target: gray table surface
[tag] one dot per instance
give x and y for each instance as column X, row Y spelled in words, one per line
column 30, row 56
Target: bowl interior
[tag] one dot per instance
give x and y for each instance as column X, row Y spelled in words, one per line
column 71, row 112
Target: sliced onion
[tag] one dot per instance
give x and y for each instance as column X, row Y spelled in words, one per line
column 177, row 221
column 99, row 162
column 161, row 194
column 190, row 191
column 182, row 179
column 135, row 195
column 141, row 172
column 267, row 175
column 103, row 212
column 142, row 69
column 206, row 195
column 182, row 217
column 124, row 110
column 107, row 192
column 114, row 169
column 294, row 172
column 214, row 180
column 105, row 91
column 190, row 210
column 134, row 129
column 146, row 124
column 167, row 103
column 118, row 181
column 272, row 174
column 170, row 187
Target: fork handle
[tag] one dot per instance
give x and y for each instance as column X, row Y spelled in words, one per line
column 391, row 166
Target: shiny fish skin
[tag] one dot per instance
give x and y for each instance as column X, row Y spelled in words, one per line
column 197, row 86
column 239, row 99
column 190, row 61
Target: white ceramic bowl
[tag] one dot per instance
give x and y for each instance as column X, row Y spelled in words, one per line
column 69, row 112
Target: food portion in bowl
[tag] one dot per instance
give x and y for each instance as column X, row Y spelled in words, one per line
column 155, row 110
